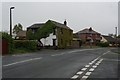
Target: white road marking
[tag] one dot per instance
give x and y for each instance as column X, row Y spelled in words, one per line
column 87, row 66
column 84, row 77
column 22, row 61
column 80, row 72
column 83, row 69
column 94, row 66
column 90, row 63
column 106, row 53
column 82, row 50
column 75, row 76
column 101, row 60
column 97, row 64
column 91, row 69
column 88, row 73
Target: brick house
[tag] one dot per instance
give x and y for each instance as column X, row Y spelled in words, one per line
column 88, row 35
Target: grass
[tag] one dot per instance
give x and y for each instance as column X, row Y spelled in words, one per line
column 22, row 50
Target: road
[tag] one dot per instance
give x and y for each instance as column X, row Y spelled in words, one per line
column 73, row 64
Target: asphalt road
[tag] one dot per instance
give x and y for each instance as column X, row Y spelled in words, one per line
column 70, row 63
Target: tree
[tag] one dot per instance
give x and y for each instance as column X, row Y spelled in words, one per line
column 30, row 35
column 17, row 28
column 45, row 30
column 118, row 36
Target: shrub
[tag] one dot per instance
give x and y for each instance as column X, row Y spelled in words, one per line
column 25, row 44
column 101, row 44
column 7, row 37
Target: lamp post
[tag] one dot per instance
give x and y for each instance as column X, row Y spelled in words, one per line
column 11, row 20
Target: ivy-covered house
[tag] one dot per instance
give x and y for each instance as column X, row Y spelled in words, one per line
column 52, row 33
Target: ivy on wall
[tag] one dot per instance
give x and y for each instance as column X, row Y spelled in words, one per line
column 44, row 31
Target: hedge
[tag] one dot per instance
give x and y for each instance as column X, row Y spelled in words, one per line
column 101, row 44
column 25, row 44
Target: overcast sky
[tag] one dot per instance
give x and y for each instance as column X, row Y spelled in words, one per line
column 101, row 16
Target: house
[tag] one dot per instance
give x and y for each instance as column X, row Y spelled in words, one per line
column 35, row 27
column 88, row 35
column 21, row 35
column 112, row 41
column 53, row 33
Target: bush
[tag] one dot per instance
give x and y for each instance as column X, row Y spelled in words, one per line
column 7, row 37
column 101, row 44
column 25, row 44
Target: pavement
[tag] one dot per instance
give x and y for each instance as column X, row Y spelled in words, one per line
column 81, row 64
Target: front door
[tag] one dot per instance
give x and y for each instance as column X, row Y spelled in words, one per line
column 54, row 42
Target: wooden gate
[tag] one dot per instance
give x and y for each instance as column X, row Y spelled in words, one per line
column 4, row 47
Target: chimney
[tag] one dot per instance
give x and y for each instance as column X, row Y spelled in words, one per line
column 90, row 29
column 65, row 22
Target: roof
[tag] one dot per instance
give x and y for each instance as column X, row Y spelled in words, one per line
column 88, row 31
column 36, row 25
column 54, row 22
column 21, row 34
column 109, row 38
column 60, row 24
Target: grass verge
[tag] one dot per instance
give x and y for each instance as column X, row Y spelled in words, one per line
column 22, row 50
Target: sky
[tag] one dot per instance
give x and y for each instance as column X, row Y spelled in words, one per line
column 101, row 16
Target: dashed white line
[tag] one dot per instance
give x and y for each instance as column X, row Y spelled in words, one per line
column 75, row 76
column 101, row 60
column 97, row 64
column 83, row 69
column 84, row 77
column 22, row 61
column 88, row 73
column 80, row 72
column 94, row 66
column 90, row 63
column 91, row 69
column 106, row 53
column 87, row 66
